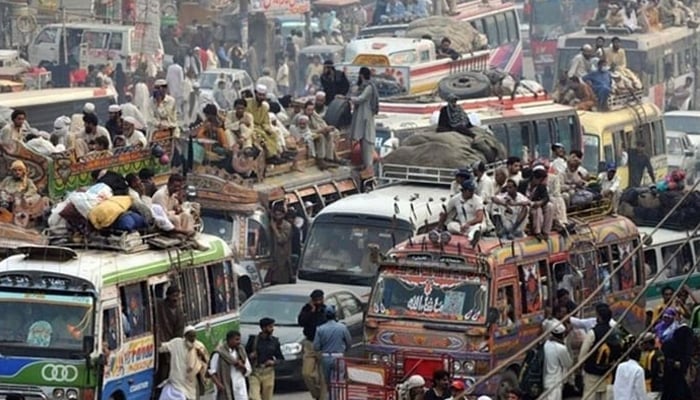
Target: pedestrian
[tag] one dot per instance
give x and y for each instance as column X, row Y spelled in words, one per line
column 678, row 353
column 602, row 355
column 229, row 367
column 295, row 240
column 629, row 378
column 441, row 386
column 334, row 82
column 283, row 78
column 281, row 271
column 366, row 106
column 412, row 388
column 175, row 78
column 652, row 360
column 264, row 353
column 188, row 360
column 310, row 317
column 251, row 56
column 557, row 362
column 332, row 341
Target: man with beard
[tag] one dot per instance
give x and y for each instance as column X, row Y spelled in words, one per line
column 320, row 104
column 17, row 186
column 188, row 360
column 334, row 82
column 239, row 123
column 163, row 109
column 281, row 271
column 91, row 131
column 259, row 109
column 114, row 123
column 170, row 321
column 132, row 133
column 16, row 129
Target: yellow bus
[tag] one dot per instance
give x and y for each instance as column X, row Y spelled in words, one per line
column 614, row 136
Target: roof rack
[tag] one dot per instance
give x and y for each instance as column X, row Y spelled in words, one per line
column 622, row 100
column 127, row 242
column 392, row 173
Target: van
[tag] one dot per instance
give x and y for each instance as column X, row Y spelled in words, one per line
column 93, row 44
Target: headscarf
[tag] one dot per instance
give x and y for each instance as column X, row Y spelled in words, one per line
column 18, row 164
column 455, row 113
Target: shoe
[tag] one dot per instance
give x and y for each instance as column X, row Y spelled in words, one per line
column 540, row 237
column 475, row 239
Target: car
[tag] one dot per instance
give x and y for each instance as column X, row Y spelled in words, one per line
column 684, row 121
column 208, row 80
column 682, row 154
column 283, row 303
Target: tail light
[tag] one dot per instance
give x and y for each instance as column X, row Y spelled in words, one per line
column 89, row 394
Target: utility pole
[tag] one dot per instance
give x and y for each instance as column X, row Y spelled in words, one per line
column 243, row 15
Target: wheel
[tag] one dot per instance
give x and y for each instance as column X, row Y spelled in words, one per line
column 509, row 380
column 465, row 85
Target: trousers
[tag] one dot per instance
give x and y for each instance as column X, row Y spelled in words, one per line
column 262, row 383
column 309, row 369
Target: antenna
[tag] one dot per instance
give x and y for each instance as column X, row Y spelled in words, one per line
column 413, row 211
column 393, row 239
column 427, row 206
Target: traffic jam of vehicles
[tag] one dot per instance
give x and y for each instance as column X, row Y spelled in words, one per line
column 350, row 200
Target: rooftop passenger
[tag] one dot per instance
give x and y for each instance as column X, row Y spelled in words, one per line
column 454, row 118
column 259, row 109
column 239, row 123
column 163, row 110
column 581, row 64
column 334, row 82
column 16, row 129
column 541, row 208
column 615, row 55
column 512, row 214
column 468, row 210
column 446, row 51
column 601, row 83
column 132, row 132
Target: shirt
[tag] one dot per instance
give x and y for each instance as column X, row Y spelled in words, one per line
column 485, row 187
column 266, row 348
column 309, row 320
column 332, row 337
column 137, row 138
column 579, row 66
column 557, row 362
column 629, row 382
column 612, row 185
column 465, row 210
column 431, row 395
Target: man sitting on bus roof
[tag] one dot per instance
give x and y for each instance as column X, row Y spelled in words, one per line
column 445, row 50
column 610, row 185
column 468, row 210
column 601, row 83
column 513, row 211
column 615, row 55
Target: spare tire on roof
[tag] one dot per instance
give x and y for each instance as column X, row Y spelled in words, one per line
column 465, row 85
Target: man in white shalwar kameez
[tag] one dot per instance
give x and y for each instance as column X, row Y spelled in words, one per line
column 229, row 367
column 188, row 358
column 175, row 78
column 557, row 362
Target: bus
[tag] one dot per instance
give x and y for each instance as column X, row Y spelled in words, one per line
column 80, row 324
column 436, row 296
column 44, row 106
column 548, row 20
column 496, row 19
column 611, row 135
column 663, row 60
column 658, row 249
column 360, row 220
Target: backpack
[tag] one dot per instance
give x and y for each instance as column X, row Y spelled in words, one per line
column 607, row 353
column 532, row 372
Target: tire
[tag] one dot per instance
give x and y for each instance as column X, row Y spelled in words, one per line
column 509, row 380
column 465, row 85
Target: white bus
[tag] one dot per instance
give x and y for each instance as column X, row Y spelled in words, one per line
column 81, row 324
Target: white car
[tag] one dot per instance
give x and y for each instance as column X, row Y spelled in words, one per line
column 682, row 155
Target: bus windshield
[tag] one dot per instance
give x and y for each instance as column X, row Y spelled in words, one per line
column 546, row 20
column 453, row 298
column 37, row 320
column 341, row 250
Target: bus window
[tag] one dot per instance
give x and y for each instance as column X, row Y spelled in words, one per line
column 526, row 138
column 135, row 305
column 603, row 272
column 621, row 144
column 502, row 29
column 625, row 276
column 505, row 303
column 531, row 288
column 478, row 24
column 679, row 264
column 258, row 240
column 564, row 132
column 501, row 133
column 491, row 31
column 543, row 138
column 513, row 27
column 659, row 138
column 195, row 294
column 591, row 153
column 515, row 140
column 643, row 134
column 221, row 289
column 95, row 40
column 115, row 41
column 110, row 328
column 650, row 264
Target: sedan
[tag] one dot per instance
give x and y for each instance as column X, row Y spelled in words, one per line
column 283, row 303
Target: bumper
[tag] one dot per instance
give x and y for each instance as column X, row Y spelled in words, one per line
column 28, row 392
column 289, row 370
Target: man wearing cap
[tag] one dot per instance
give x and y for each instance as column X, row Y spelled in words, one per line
column 334, row 82
column 163, row 111
column 610, row 185
column 652, row 360
column 580, row 63
column 268, row 81
column 90, row 132
column 264, row 134
column 332, row 341
column 412, row 389
column 129, row 109
column 461, row 175
column 264, row 352
column 310, row 317
column 459, row 391
column 557, row 362
column 324, row 137
column 468, row 209
column 131, row 129
column 320, row 103
column 114, row 123
column 188, row 363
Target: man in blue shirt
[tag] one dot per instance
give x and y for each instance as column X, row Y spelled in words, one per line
column 332, row 340
column 601, row 83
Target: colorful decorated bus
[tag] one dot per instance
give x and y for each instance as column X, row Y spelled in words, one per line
column 80, row 324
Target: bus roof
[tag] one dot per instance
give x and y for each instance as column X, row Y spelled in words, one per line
column 106, row 267
column 48, row 96
column 380, row 202
column 664, row 236
column 473, row 8
column 81, row 25
column 385, row 45
column 600, row 121
column 632, row 41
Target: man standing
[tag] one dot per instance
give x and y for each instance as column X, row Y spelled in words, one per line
column 188, row 359
column 334, row 82
column 265, row 353
column 332, row 340
column 557, row 362
column 280, row 271
column 310, row 317
column 282, row 77
column 610, row 185
column 170, row 321
column 639, row 163
column 175, row 77
column 365, row 107
column 629, row 378
column 229, row 367
column 598, row 362
column 652, row 360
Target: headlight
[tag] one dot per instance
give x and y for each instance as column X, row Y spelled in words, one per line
column 457, row 366
column 385, row 358
column 469, row 367
column 375, row 358
column 72, row 394
column 58, row 393
column 291, row 348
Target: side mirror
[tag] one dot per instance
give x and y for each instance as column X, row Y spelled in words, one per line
column 690, row 153
column 88, row 344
